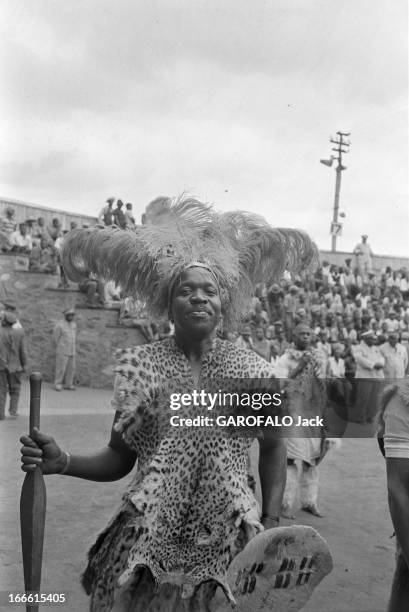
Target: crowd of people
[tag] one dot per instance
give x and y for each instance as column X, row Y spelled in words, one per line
column 359, row 323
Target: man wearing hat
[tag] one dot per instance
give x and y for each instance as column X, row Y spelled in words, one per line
column 64, row 339
column 105, row 216
column 9, row 305
column 12, row 363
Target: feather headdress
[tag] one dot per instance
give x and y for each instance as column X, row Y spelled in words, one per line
column 241, row 249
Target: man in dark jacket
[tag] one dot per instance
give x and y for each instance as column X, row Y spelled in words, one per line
column 12, row 363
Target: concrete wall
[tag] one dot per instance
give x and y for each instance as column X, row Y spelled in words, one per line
column 24, row 210
column 380, row 262
column 40, row 306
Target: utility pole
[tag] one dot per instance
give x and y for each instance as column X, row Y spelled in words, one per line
column 341, row 147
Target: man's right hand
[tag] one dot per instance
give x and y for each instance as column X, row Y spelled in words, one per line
column 41, row 450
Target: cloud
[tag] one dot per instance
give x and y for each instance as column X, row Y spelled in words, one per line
column 232, row 100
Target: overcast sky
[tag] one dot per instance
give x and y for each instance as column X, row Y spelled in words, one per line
column 231, row 100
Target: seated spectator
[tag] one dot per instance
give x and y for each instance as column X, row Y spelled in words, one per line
column 55, row 229
column 323, row 346
column 43, row 258
column 133, row 314
column 40, row 232
column 336, row 365
column 112, row 295
column 273, row 355
column 63, row 284
column 129, row 218
column 391, row 322
column 244, row 340
column 258, row 316
column 166, row 330
column 94, row 290
column 30, row 223
column 118, row 215
column 261, row 345
column 279, row 343
column 73, row 225
column 7, row 227
column 20, row 241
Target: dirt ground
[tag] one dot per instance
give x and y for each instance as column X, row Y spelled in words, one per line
column 356, row 522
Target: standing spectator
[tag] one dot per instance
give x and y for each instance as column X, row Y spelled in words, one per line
column 105, row 216
column 20, row 241
column 118, row 215
column 64, row 339
column 363, row 258
column 10, row 306
column 261, row 345
column 369, row 365
column 7, row 227
column 129, row 218
column 396, row 357
column 55, row 229
column 12, row 363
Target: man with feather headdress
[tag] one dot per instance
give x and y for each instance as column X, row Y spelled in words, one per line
column 189, row 509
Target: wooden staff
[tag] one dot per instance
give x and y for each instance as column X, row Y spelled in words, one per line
column 32, row 506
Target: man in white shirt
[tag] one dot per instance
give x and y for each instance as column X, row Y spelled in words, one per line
column 369, row 360
column 20, row 240
column 396, row 357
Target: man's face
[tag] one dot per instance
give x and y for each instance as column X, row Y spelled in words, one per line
column 259, row 333
column 369, row 340
column 302, row 338
column 393, row 339
column 23, row 229
column 43, row 243
column 69, row 317
column 196, row 304
column 278, row 329
column 246, row 333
